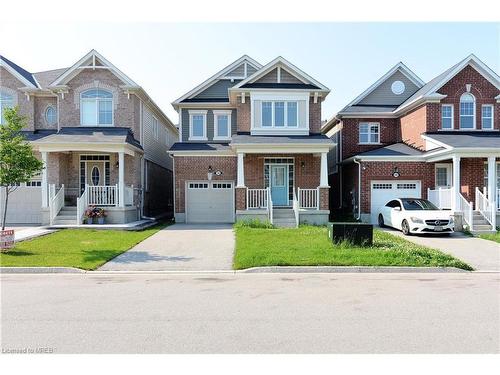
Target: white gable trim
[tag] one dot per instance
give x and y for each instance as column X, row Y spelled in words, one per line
column 399, row 66
column 282, row 64
column 16, row 74
column 220, row 74
column 93, row 54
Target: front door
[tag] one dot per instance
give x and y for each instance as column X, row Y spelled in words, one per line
column 95, row 173
column 279, row 185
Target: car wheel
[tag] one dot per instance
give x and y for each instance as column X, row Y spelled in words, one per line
column 405, row 228
column 381, row 221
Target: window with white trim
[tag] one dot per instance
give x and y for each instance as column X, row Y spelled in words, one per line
column 96, row 108
column 6, row 101
column 467, row 111
column 50, row 115
column 154, row 125
column 447, row 116
column 280, row 113
column 198, row 125
column 222, row 125
column 369, row 133
column 487, row 117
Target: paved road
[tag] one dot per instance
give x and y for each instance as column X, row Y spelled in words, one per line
column 252, row 313
column 180, row 247
column 482, row 255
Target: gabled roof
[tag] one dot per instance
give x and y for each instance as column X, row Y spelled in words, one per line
column 219, row 75
column 430, row 90
column 20, row 73
column 96, row 61
column 290, row 68
column 398, row 67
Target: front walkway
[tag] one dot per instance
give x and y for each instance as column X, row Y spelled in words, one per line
column 180, row 247
column 24, row 232
column 482, row 255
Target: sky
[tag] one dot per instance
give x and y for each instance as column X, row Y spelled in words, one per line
column 169, row 59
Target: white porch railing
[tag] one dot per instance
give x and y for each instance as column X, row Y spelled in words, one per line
column 296, row 208
column 257, row 198
column 308, row 198
column 56, row 202
column 440, row 197
column 269, row 205
column 102, row 195
column 81, row 206
column 485, row 206
column 467, row 208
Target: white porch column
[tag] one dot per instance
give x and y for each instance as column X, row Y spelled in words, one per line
column 45, row 185
column 492, row 188
column 241, row 171
column 324, row 170
column 121, row 179
column 456, row 183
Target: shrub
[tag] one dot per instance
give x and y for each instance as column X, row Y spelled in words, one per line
column 254, row 223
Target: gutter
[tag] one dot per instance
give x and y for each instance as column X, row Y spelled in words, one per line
column 359, row 188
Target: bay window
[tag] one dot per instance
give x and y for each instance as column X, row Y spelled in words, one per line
column 96, row 108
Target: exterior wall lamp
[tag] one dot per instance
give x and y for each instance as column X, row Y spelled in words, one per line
column 210, row 173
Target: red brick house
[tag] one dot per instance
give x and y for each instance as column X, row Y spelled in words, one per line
column 438, row 140
column 250, row 146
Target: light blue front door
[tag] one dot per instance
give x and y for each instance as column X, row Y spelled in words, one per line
column 279, row 185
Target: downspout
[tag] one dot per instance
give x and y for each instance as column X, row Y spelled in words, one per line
column 359, row 189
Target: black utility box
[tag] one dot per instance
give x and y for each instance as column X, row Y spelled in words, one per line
column 355, row 233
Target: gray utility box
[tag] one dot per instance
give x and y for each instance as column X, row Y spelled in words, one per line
column 356, row 233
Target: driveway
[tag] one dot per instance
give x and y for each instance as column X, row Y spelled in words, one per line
column 180, row 247
column 482, row 255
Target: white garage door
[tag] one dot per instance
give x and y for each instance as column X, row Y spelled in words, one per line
column 210, row 202
column 384, row 191
column 24, row 205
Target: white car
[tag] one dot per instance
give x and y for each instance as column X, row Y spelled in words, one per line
column 415, row 216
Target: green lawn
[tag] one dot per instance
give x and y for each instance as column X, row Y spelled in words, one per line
column 81, row 248
column 309, row 246
column 491, row 236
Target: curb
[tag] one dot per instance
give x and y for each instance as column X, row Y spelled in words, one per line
column 10, row 270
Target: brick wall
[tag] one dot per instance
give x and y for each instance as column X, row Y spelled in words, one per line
column 243, row 115
column 389, row 133
column 41, row 104
column 471, row 176
column 195, row 168
column 314, row 115
column 413, row 125
column 26, row 107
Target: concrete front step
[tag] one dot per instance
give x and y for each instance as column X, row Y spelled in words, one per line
column 284, row 224
column 65, row 221
column 483, row 228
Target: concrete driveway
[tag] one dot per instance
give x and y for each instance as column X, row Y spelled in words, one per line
column 482, row 255
column 180, row 247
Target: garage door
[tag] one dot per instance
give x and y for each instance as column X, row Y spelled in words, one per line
column 210, row 202
column 384, row 191
column 24, row 206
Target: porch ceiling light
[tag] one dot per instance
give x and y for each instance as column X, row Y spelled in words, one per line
column 210, row 173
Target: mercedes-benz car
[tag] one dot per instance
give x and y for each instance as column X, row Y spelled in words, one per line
column 415, row 216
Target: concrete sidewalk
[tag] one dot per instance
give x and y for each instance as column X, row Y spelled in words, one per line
column 482, row 255
column 180, row 247
column 22, row 233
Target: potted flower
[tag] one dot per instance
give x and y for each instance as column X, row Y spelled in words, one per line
column 89, row 214
column 100, row 214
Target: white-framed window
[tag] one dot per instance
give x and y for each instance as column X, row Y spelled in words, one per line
column 487, row 117
column 6, row 101
column 280, row 113
column 198, row 185
column 198, row 125
column 467, row 111
column 50, row 115
column 96, row 108
column 155, row 126
column 369, row 133
column 443, row 175
column 222, row 125
column 447, row 116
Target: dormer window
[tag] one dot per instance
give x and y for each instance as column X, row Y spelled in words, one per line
column 96, row 108
column 467, row 111
column 6, row 101
column 279, row 114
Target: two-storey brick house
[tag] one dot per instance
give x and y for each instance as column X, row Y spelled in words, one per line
column 439, row 140
column 250, row 146
column 103, row 140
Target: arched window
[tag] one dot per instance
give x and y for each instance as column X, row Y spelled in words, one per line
column 6, row 101
column 50, row 115
column 467, row 111
column 96, row 107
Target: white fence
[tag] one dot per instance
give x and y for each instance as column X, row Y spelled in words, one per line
column 467, row 208
column 485, row 206
column 56, row 202
column 257, row 198
column 440, row 197
column 308, row 198
column 81, row 206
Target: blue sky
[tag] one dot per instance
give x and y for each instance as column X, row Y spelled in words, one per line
column 170, row 59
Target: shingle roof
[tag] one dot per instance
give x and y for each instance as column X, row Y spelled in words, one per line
column 461, row 139
column 23, row 72
column 37, row 134
column 184, row 146
column 369, row 109
column 396, row 149
column 264, row 85
column 205, row 100
column 266, row 139
column 46, row 78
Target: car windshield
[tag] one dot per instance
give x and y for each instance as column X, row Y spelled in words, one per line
column 418, row 205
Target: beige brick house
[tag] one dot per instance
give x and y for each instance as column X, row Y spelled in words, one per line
column 440, row 140
column 103, row 140
column 250, row 147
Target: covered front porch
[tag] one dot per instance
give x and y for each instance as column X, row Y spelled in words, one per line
column 284, row 185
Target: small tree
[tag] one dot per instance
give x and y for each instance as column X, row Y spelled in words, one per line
column 17, row 161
